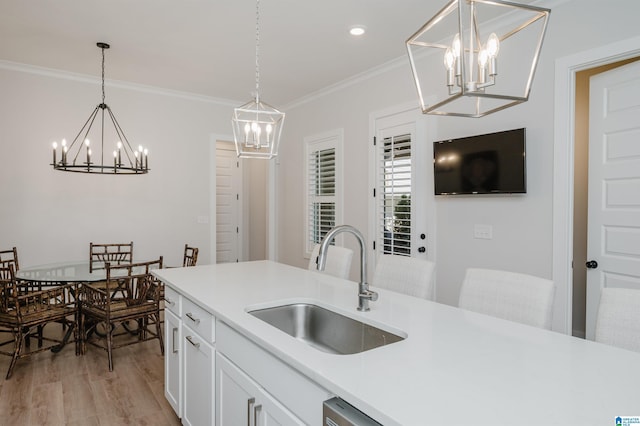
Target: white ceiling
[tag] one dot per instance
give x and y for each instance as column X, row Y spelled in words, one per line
column 208, row 46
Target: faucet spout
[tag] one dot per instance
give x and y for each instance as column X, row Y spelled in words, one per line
column 364, row 294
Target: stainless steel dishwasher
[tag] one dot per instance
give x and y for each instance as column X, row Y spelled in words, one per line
column 336, row 412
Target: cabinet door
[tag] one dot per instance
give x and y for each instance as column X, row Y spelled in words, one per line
column 199, row 379
column 172, row 362
column 235, row 394
column 272, row 413
column 241, row 401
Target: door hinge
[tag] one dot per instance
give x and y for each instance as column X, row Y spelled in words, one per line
column 237, row 197
column 237, row 164
column 237, row 230
column 374, row 245
column 374, row 141
column 374, row 192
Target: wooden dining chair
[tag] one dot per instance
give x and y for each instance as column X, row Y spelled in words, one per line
column 140, row 304
column 24, row 313
column 114, row 253
column 9, row 256
column 190, row 256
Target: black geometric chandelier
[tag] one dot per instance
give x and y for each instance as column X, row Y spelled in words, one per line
column 80, row 157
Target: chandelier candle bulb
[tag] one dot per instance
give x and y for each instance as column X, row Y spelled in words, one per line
column 55, row 147
column 119, row 145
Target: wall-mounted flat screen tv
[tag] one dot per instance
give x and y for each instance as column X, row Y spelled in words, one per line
column 494, row 163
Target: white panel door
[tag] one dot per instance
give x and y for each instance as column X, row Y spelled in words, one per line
column 403, row 160
column 614, row 185
column 228, row 217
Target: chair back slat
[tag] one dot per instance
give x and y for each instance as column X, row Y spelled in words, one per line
column 9, row 256
column 8, row 292
column 190, row 256
column 114, row 253
column 135, row 279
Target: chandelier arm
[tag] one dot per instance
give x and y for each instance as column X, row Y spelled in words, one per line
column 122, row 137
column 521, row 27
column 88, row 124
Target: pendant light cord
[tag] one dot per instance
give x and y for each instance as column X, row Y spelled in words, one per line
column 102, row 75
column 257, row 50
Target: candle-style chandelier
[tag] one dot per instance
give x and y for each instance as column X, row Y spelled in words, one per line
column 79, row 156
column 257, row 125
column 472, row 37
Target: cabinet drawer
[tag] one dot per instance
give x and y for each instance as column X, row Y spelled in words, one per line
column 199, row 320
column 172, row 301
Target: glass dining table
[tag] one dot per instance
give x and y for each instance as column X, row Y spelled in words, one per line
column 61, row 272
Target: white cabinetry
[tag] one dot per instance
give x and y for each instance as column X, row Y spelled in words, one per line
column 241, row 401
column 189, row 380
column 198, row 335
column 173, row 351
column 255, row 388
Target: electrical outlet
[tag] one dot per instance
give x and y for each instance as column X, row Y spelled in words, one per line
column 483, row 232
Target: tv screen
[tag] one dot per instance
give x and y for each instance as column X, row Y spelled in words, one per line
column 494, row 163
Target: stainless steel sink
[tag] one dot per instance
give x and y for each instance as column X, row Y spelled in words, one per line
column 324, row 329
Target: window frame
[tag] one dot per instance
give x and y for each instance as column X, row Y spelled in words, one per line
column 329, row 140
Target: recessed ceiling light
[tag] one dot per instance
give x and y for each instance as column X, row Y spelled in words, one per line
column 357, row 30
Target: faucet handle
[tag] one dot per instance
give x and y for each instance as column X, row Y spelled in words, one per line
column 369, row 295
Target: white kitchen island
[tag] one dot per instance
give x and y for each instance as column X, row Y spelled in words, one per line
column 454, row 367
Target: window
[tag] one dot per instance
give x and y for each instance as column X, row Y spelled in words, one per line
column 323, row 188
column 394, row 195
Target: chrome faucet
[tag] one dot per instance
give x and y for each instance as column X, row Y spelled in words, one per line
column 364, row 294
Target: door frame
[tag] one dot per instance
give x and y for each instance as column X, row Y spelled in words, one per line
column 425, row 130
column 563, row 167
column 271, row 236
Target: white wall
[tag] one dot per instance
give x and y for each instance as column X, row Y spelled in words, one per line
column 522, row 225
column 52, row 216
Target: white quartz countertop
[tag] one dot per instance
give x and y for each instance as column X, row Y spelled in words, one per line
column 454, row 367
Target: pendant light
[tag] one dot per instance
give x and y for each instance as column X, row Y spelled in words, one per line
column 489, row 51
column 257, row 125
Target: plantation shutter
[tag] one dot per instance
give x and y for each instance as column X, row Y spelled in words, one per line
column 394, row 195
column 321, row 194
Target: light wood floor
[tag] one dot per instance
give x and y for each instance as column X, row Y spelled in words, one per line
column 65, row 389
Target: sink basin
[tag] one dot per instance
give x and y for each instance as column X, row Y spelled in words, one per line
column 324, row 329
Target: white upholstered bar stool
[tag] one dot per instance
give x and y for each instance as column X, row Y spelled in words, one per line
column 338, row 261
column 618, row 320
column 509, row 295
column 404, row 274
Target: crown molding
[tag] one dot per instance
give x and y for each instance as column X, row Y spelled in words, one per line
column 84, row 78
